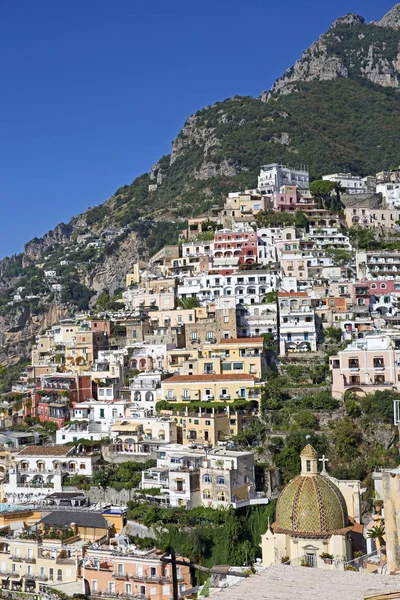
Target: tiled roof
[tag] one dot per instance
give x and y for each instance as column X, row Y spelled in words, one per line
column 284, row 294
column 57, row 450
column 247, row 340
column 209, row 378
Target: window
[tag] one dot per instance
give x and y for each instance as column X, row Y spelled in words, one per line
column 51, row 577
column 208, row 423
column 207, row 478
column 237, row 366
column 170, row 394
column 59, row 575
column 206, row 495
column 102, row 413
column 111, row 587
column 221, row 480
column 221, row 496
column 308, row 466
column 128, row 588
column 186, row 394
column 378, row 361
column 194, row 335
column 120, row 569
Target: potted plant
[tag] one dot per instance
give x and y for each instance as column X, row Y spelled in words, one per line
column 304, row 562
column 357, row 555
column 327, row 558
column 285, row 560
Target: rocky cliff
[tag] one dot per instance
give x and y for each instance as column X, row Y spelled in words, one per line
column 351, row 48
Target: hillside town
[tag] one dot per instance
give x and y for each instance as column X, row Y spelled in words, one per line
column 153, row 403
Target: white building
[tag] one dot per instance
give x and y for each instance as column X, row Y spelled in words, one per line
column 41, row 470
column 390, row 193
column 91, row 420
column 248, row 287
column 353, row 184
column 144, row 388
column 297, row 326
column 273, row 176
column 196, row 477
column 327, row 237
column 255, row 319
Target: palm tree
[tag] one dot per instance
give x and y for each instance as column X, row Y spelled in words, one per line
column 376, row 533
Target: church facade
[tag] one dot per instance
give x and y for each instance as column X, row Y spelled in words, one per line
column 312, row 519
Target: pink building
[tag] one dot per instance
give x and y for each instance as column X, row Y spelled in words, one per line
column 290, row 199
column 362, row 290
column 131, row 572
column 230, row 244
column 366, row 365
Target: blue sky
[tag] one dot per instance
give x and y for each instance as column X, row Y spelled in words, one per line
column 94, row 91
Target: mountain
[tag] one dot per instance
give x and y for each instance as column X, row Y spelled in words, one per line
column 337, row 108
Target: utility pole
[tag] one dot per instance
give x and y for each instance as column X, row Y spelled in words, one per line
column 175, row 593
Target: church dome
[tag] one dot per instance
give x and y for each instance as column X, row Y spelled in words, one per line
column 311, row 503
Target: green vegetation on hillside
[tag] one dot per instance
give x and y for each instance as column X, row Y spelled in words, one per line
column 207, row 536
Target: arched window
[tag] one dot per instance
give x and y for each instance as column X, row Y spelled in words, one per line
column 288, row 236
column 221, row 496
column 207, row 478
column 59, row 574
column 221, row 480
column 206, row 494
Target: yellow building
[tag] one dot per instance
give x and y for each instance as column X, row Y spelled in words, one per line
column 238, row 355
column 48, row 550
column 210, row 388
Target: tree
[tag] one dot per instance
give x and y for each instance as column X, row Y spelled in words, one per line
column 377, row 533
column 188, row 303
column 339, row 257
column 271, row 297
column 323, row 190
column 300, row 219
column 346, row 438
column 334, row 334
column 305, row 419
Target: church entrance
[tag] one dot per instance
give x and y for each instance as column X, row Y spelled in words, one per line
column 311, row 559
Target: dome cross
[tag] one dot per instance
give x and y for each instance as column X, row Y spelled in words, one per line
column 323, row 460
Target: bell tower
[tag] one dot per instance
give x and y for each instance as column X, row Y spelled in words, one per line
column 309, row 461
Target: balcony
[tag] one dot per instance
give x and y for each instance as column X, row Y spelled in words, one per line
column 30, row 561
column 17, row 558
column 65, row 561
column 224, row 397
column 121, row 576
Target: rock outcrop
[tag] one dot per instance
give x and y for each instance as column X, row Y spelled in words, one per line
column 391, row 19
column 350, row 48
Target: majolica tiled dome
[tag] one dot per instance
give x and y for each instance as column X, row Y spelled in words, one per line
column 311, row 504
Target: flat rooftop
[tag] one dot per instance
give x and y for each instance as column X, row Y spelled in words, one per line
column 284, row 582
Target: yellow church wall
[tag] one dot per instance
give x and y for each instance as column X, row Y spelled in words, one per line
column 277, row 546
